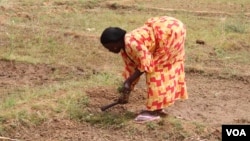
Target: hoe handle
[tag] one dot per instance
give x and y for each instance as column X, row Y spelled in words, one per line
column 103, row 108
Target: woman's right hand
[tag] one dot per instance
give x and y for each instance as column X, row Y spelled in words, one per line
column 123, row 99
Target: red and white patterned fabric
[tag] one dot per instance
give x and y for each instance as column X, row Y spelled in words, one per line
column 157, row 48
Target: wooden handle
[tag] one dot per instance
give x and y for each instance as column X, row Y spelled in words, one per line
column 103, row 108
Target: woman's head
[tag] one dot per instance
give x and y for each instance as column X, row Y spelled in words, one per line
column 112, row 38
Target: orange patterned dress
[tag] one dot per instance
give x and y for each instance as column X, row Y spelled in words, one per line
column 157, row 48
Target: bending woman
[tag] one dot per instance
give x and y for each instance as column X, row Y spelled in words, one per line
column 155, row 49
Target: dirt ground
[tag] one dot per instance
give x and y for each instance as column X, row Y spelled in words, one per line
column 212, row 100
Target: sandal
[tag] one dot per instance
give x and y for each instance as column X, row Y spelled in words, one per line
column 146, row 117
column 160, row 112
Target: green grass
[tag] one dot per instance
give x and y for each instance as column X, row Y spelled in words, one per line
column 29, row 105
column 108, row 120
column 50, row 44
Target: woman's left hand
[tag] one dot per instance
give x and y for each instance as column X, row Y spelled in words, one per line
column 124, row 92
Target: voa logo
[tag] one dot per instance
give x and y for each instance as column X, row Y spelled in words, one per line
column 236, row 132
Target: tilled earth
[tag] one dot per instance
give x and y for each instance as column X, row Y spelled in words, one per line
column 212, row 100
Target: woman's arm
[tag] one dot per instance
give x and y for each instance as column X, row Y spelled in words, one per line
column 134, row 76
column 126, row 89
column 127, row 84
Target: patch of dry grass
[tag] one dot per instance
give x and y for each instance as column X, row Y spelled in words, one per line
column 67, row 33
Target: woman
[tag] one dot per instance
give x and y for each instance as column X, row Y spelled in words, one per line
column 156, row 49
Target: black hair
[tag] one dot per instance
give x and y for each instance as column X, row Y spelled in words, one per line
column 112, row 34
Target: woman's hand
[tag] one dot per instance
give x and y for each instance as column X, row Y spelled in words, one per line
column 123, row 99
column 124, row 92
column 126, row 87
column 128, row 83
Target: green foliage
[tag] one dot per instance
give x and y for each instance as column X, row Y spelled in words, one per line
column 199, row 127
column 2, row 120
column 22, row 118
column 177, row 124
column 109, row 119
column 235, row 27
column 9, row 102
column 74, row 105
column 76, row 108
column 90, row 3
column 105, row 119
column 12, row 46
column 151, row 126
